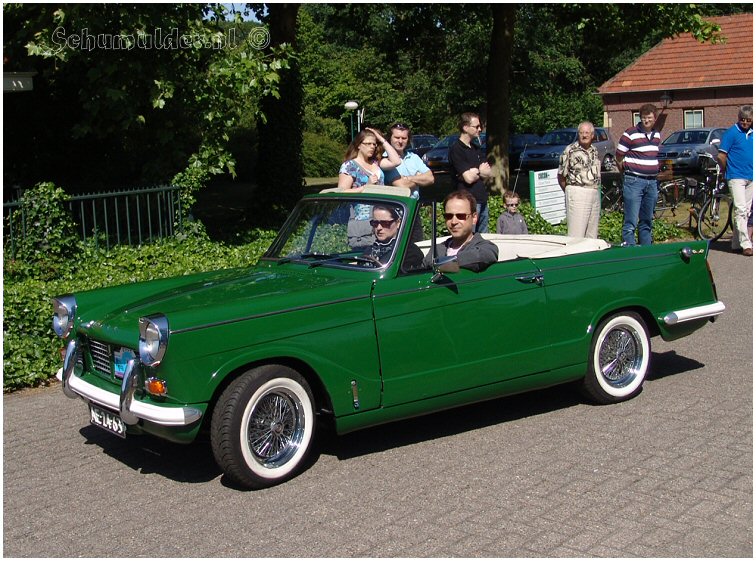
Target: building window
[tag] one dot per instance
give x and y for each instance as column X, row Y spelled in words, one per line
column 693, row 119
column 636, row 118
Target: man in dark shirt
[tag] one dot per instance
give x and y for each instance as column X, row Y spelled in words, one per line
column 469, row 166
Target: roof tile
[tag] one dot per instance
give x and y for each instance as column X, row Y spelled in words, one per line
column 682, row 62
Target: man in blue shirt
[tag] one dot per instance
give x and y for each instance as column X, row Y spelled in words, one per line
column 412, row 172
column 736, row 156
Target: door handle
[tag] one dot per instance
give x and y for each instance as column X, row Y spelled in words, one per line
column 531, row 279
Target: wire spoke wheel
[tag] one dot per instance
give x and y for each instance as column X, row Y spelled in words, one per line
column 715, row 217
column 619, row 359
column 263, row 426
column 275, row 428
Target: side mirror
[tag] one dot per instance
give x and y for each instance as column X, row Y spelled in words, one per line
column 447, row 264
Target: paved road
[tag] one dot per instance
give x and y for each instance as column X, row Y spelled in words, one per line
column 668, row 474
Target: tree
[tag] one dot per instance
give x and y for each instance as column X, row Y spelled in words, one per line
column 280, row 179
column 132, row 94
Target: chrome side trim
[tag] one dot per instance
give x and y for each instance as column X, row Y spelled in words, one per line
column 166, row 416
column 699, row 312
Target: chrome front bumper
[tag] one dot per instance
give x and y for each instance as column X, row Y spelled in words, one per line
column 709, row 311
column 130, row 410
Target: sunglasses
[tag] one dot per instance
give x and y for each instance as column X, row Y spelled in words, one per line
column 383, row 223
column 399, row 126
column 458, row 215
column 513, row 204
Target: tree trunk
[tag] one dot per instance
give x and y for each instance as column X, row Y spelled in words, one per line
column 499, row 66
column 280, row 181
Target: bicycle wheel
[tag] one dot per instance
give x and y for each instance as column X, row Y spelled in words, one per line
column 715, row 217
column 666, row 203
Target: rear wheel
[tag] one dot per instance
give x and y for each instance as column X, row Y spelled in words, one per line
column 619, row 359
column 262, row 426
column 715, row 217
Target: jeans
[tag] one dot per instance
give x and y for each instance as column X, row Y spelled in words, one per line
column 640, row 196
column 742, row 201
column 482, row 226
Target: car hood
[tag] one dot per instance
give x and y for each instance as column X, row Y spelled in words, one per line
column 213, row 298
column 682, row 147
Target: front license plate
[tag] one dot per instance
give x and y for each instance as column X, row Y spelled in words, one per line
column 107, row 420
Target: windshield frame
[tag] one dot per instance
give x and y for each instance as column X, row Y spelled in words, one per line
column 340, row 260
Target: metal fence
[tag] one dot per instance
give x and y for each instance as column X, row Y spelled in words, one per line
column 119, row 217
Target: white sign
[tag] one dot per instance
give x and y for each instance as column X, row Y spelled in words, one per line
column 547, row 196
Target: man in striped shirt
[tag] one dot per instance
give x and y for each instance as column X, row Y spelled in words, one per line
column 637, row 152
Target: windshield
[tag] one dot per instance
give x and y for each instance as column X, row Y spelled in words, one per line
column 558, row 138
column 339, row 232
column 687, row 137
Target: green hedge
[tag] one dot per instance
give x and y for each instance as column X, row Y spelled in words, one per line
column 30, row 348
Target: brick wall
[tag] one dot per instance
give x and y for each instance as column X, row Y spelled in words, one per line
column 720, row 107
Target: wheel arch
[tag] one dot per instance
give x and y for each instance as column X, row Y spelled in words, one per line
column 645, row 314
column 323, row 404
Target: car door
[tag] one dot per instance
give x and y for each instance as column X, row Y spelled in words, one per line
column 462, row 330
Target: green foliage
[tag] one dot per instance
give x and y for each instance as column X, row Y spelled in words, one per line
column 322, row 156
column 144, row 91
column 44, row 233
column 30, row 348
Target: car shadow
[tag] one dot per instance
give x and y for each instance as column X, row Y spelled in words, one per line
column 670, row 363
column 479, row 415
column 186, row 463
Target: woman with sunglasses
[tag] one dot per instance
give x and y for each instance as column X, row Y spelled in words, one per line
column 364, row 163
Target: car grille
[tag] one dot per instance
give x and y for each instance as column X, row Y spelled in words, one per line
column 102, row 357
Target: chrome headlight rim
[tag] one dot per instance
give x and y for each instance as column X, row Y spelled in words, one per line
column 64, row 312
column 153, row 339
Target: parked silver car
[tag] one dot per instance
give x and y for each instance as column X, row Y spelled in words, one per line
column 682, row 149
column 545, row 154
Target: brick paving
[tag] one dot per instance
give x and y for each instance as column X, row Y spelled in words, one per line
column 668, row 474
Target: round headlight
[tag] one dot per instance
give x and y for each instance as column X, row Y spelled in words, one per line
column 153, row 339
column 64, row 311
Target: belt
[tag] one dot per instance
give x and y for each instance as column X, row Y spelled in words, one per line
column 639, row 175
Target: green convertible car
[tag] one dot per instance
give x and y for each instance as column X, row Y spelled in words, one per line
column 320, row 329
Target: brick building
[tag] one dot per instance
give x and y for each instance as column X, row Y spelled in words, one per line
column 697, row 84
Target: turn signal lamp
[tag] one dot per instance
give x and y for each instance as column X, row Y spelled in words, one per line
column 156, row 387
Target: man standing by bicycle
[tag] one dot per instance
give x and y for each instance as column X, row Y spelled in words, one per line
column 638, row 150
column 736, row 157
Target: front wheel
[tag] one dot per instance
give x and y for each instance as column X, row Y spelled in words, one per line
column 715, row 217
column 262, row 426
column 619, row 359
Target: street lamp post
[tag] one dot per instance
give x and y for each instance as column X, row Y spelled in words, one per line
column 351, row 106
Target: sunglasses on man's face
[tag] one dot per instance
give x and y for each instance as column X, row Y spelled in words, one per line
column 513, row 204
column 383, row 223
column 458, row 215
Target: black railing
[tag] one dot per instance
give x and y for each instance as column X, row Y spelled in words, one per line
column 130, row 217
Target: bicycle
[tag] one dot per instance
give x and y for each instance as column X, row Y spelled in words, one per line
column 672, row 194
column 714, row 215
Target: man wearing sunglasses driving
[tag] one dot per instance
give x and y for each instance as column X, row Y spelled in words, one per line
column 472, row 251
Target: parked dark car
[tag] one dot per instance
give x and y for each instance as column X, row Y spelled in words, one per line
column 517, row 144
column 682, row 149
column 421, row 143
column 545, row 154
column 437, row 158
